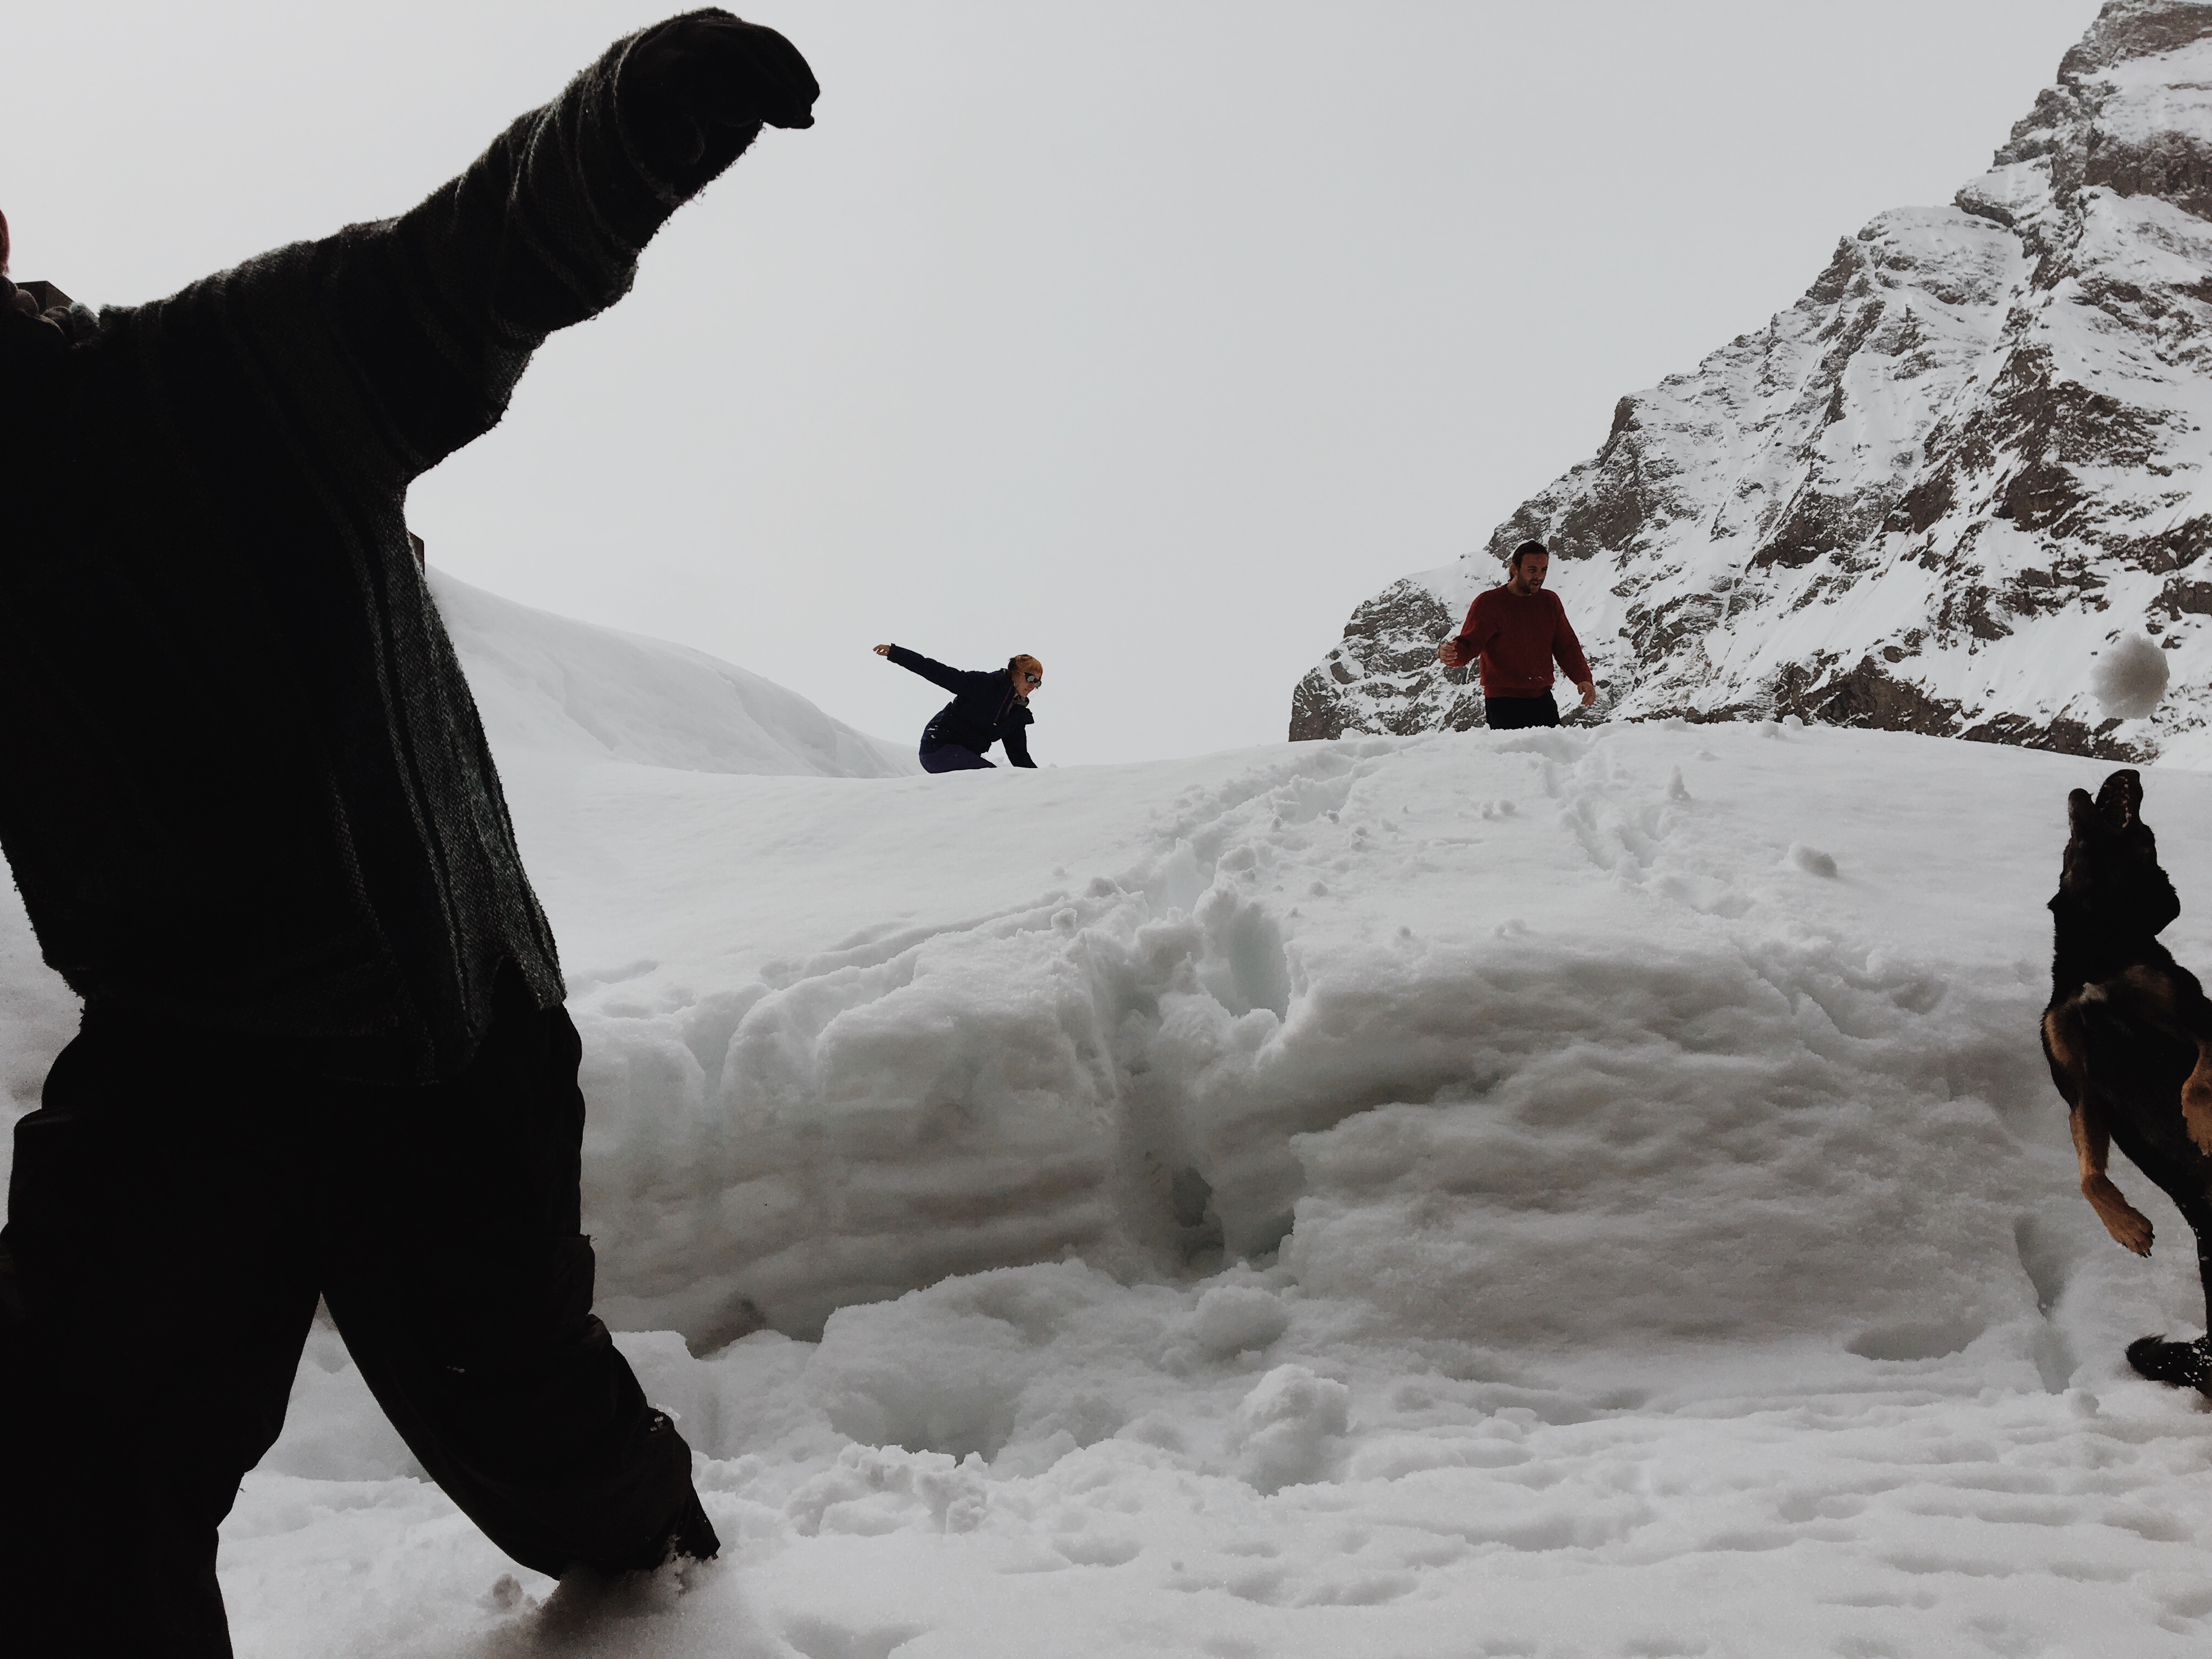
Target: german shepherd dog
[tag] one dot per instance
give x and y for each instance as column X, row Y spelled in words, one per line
column 2129, row 1037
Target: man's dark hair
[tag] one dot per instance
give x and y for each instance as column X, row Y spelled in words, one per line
column 1524, row 552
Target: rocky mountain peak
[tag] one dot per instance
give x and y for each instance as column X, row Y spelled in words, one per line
column 2127, row 29
column 1930, row 495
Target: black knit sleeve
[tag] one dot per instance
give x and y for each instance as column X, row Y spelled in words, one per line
column 1017, row 740
column 952, row 679
column 439, row 310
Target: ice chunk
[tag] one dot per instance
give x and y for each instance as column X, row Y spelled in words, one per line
column 1233, row 1318
column 1288, row 1425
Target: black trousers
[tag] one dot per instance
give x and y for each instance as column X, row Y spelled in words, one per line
column 178, row 1202
column 1510, row 713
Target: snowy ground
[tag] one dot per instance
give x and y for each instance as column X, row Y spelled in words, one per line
column 1545, row 1193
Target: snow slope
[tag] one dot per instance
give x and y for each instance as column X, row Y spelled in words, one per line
column 1683, row 1253
column 1969, row 464
column 543, row 682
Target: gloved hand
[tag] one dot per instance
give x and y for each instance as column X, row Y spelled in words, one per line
column 704, row 85
column 24, row 303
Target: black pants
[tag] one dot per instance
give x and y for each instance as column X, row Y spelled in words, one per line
column 178, row 1202
column 951, row 758
column 1510, row 713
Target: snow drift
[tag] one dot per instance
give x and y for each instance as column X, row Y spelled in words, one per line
column 1315, row 1198
column 1550, row 1041
column 547, row 681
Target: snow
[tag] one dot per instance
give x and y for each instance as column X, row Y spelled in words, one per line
column 543, row 682
column 1549, row 1193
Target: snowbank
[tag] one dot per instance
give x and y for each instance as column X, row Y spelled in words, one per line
column 1545, row 1040
column 1577, row 1193
column 550, row 683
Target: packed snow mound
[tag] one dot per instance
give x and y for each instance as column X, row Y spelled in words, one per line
column 1298, row 1200
column 546, row 682
column 1552, row 1041
column 1973, row 455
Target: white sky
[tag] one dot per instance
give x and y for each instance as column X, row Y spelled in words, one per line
column 1148, row 338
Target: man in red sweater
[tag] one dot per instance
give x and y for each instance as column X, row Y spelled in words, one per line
column 1518, row 631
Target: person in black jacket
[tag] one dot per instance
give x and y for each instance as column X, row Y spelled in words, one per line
column 988, row 705
column 248, row 802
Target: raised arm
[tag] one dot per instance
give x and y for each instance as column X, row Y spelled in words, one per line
column 952, row 679
column 439, row 310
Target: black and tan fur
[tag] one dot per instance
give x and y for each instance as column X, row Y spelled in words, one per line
column 2129, row 1035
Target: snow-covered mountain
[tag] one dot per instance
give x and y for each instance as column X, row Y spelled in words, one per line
column 543, row 682
column 1959, row 487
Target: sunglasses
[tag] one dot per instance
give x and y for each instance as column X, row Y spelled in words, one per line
column 1034, row 679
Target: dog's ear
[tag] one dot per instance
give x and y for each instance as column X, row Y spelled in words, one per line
column 2082, row 817
column 2121, row 799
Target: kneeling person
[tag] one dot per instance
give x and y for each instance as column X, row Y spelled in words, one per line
column 988, row 705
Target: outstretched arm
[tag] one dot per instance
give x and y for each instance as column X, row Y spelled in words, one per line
column 439, row 310
column 1018, row 747
column 914, row 662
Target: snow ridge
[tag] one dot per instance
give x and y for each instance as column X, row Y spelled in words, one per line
column 1967, row 463
column 552, row 683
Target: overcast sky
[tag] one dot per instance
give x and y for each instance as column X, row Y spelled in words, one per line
column 1148, row 338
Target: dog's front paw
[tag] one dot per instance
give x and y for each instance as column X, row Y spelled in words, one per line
column 2127, row 1224
column 2131, row 1228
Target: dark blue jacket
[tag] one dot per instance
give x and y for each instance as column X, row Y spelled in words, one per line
column 984, row 709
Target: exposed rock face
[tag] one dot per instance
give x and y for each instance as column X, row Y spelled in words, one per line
column 1926, row 497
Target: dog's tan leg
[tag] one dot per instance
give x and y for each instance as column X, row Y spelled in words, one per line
column 2069, row 1069
column 2092, row 1147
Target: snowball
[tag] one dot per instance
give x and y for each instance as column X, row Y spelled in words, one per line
column 2130, row 677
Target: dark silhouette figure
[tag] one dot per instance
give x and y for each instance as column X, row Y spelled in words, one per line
column 250, row 806
column 2129, row 1035
column 988, row 705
